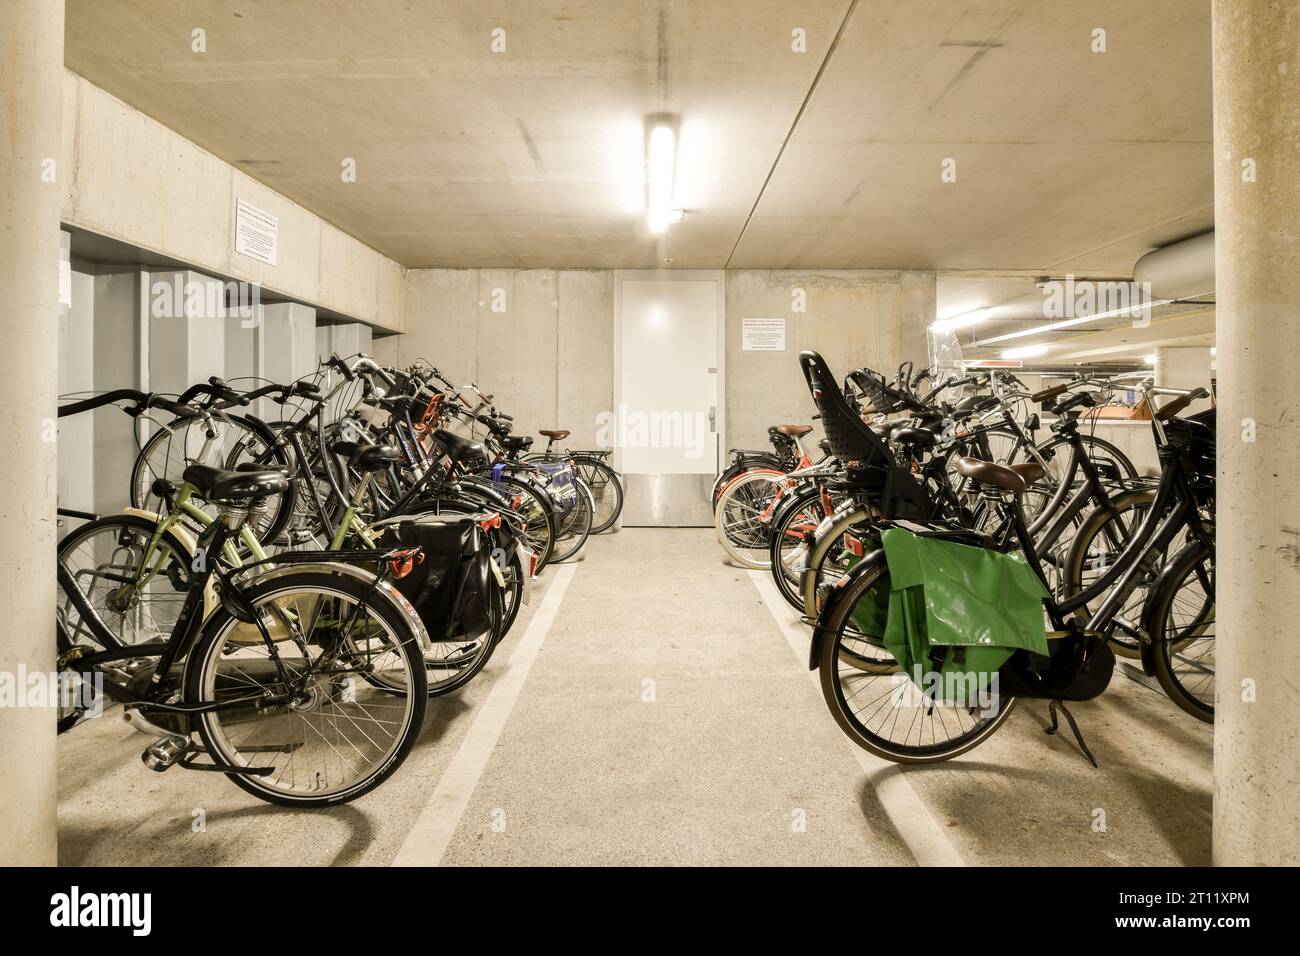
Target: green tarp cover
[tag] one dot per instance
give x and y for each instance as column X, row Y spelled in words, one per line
column 980, row 605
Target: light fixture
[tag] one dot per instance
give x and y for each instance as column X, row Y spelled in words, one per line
column 1025, row 351
column 659, row 177
column 1059, row 324
column 1149, row 359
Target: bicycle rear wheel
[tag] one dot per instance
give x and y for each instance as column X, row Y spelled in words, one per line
column 791, row 542
column 314, row 724
column 1180, row 619
column 575, row 527
column 742, row 518
column 606, row 492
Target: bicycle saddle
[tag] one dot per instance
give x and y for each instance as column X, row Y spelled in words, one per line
column 460, row 449
column 216, row 485
column 991, row 473
column 517, row 442
column 366, row 457
column 1031, row 471
column 794, row 431
column 254, row 466
column 916, row 437
column 495, row 425
column 975, row 404
column 555, row 434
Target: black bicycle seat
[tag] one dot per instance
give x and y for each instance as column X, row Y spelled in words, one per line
column 366, row 457
column 460, row 449
column 915, row 437
column 216, row 485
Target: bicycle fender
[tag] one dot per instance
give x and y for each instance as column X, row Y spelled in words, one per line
column 210, row 599
column 382, row 588
column 837, row 594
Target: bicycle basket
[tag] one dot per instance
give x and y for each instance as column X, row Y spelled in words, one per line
column 1194, row 437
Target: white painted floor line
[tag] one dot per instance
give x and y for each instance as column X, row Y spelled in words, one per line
column 433, row 829
column 906, row 809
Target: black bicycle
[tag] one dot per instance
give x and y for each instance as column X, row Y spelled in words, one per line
column 861, row 680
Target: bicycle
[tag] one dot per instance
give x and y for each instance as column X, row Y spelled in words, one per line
column 852, row 662
column 305, row 683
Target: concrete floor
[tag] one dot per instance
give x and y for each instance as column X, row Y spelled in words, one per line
column 651, row 707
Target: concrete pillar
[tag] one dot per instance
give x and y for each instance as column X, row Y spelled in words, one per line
column 1257, row 250
column 31, row 76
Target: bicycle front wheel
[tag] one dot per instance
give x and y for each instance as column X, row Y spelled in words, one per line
column 877, row 705
column 318, row 723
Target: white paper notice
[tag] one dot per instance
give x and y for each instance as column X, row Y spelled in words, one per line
column 762, row 335
column 256, row 233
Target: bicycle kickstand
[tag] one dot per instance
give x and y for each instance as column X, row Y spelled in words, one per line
column 1052, row 707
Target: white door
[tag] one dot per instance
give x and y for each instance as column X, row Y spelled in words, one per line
column 668, row 393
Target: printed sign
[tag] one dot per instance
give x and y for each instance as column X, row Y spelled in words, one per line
column 256, row 233
column 762, row 335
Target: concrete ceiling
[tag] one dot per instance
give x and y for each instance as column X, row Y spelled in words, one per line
column 1067, row 160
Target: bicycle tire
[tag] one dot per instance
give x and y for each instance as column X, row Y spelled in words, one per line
column 1160, row 606
column 201, row 673
column 838, row 612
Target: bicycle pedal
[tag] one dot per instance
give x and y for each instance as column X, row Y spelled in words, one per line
column 166, row 753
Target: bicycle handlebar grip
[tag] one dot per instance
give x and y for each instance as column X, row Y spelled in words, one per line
column 1047, row 394
column 335, row 362
column 99, row 401
column 1177, row 405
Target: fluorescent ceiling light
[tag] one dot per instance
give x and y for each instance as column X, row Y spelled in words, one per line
column 1068, row 323
column 659, row 178
column 1149, row 359
column 1025, row 351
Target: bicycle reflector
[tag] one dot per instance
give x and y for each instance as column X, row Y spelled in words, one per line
column 403, row 561
column 490, row 521
column 516, row 501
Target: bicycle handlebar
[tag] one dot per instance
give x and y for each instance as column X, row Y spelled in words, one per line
column 142, row 400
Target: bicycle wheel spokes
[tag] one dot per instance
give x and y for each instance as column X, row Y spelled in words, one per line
column 136, row 590
column 324, row 716
column 1188, row 634
column 882, row 709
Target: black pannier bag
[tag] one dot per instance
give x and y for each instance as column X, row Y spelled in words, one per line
column 452, row 588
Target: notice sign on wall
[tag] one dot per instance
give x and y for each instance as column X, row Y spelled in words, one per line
column 762, row 335
column 256, row 233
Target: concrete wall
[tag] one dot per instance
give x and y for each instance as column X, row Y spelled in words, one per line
column 542, row 340
column 876, row 319
column 128, row 177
